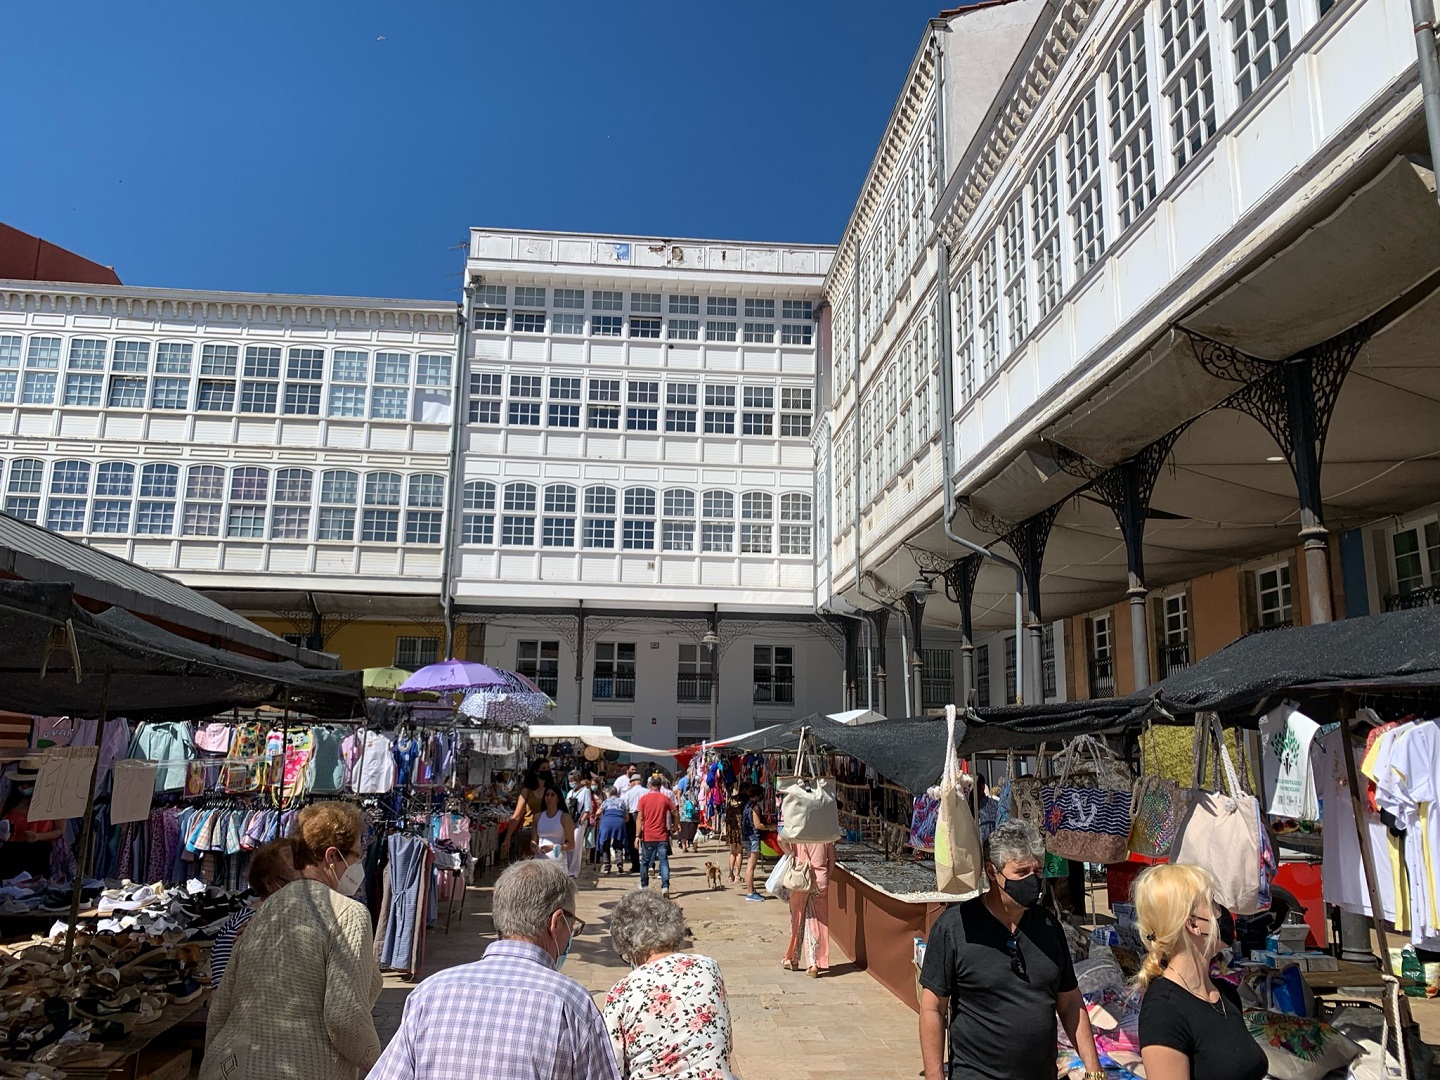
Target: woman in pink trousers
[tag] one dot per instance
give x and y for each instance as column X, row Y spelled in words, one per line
column 809, row 948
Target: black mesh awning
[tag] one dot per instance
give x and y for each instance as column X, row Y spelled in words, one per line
column 153, row 674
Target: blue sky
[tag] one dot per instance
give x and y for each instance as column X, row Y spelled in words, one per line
column 320, row 147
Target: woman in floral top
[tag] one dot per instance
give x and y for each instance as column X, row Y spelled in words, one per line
column 669, row 1018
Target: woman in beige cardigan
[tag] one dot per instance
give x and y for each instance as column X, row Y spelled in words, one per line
column 296, row 1000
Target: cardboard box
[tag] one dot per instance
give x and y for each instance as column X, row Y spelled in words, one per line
column 1305, row 961
column 1287, row 939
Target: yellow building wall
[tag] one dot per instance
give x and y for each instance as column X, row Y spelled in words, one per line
column 369, row 643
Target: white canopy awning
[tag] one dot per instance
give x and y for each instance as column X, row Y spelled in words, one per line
column 596, row 735
column 854, row 717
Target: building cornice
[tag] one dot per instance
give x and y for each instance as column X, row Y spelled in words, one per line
column 284, row 310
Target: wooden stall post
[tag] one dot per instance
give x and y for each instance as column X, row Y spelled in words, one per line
column 82, row 855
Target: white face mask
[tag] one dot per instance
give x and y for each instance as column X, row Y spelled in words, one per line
column 352, row 880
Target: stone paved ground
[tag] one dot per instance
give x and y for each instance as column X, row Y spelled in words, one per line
column 786, row 1025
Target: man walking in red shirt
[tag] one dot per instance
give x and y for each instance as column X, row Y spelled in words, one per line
column 656, row 825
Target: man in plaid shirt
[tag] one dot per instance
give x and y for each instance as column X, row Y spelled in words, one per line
column 510, row 1015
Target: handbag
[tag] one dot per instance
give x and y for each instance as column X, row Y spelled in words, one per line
column 775, row 883
column 798, row 877
column 808, row 810
column 1025, row 803
column 1220, row 830
column 1085, row 819
column 1002, row 797
column 923, row 820
column 1156, row 804
column 958, row 859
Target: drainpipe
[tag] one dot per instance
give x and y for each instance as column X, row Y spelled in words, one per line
column 1422, row 12
column 457, row 467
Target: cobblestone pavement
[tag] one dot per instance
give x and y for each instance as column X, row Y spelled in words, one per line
column 786, row 1025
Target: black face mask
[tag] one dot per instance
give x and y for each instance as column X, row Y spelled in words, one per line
column 1024, row 891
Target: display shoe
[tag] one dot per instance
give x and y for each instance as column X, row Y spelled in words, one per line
column 185, row 991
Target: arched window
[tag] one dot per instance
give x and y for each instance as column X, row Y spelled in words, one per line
column 677, row 531
column 114, row 491
column 249, row 500
column 795, row 527
column 69, row 486
column 381, row 523
column 638, row 530
column 339, row 494
column 517, row 522
column 599, row 528
column 22, row 491
column 478, row 524
column 293, row 491
column 558, row 527
column 757, row 510
column 717, row 527
column 159, row 485
column 204, row 490
column 424, row 508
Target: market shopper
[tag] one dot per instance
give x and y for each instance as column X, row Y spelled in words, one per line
column 610, row 833
column 555, row 829
column 1191, row 1027
column 735, row 831
column 656, row 826
column 809, row 947
column 272, row 867
column 668, row 1018
column 510, row 1014
column 631, row 797
column 689, row 818
column 302, row 980
column 998, row 971
column 527, row 805
column 751, row 825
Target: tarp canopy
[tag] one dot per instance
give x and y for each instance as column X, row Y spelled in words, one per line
column 855, row 717
column 596, row 735
column 154, row 674
column 1397, row 650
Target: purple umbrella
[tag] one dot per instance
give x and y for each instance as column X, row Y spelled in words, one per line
column 452, row 675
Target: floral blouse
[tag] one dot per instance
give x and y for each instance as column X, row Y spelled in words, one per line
column 670, row 1018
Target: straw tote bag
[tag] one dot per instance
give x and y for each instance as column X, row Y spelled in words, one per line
column 809, row 813
column 1220, row 830
column 957, row 838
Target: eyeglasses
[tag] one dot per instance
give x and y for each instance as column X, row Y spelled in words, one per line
column 1017, row 958
column 577, row 924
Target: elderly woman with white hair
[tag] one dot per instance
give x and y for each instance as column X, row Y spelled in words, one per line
column 669, row 1018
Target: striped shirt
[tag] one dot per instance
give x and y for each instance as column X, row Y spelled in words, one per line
column 508, row 1016
column 225, row 943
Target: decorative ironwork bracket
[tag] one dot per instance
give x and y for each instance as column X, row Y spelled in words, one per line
column 995, row 526
column 1028, row 540
column 960, row 578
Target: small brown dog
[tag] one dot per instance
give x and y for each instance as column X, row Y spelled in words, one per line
column 712, row 876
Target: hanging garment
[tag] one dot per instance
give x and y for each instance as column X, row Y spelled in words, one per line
column 327, row 767
column 170, row 745
column 1407, row 792
column 214, row 737
column 374, row 772
column 407, row 871
column 1344, row 880
column 1286, row 735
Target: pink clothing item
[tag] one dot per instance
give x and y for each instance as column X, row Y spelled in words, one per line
column 213, row 737
column 810, row 912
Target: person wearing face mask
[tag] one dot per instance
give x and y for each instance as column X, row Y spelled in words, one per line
column 303, row 978
column 511, row 1013
column 27, row 847
column 998, row 970
column 1191, row 1027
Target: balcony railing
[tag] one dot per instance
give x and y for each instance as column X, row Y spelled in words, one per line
column 692, row 688
column 613, row 688
column 774, row 691
column 548, row 683
column 1426, row 597
column 1102, row 678
column 1174, row 656
column 936, row 693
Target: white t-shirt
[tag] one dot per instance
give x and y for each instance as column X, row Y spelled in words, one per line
column 623, row 783
column 632, row 796
column 1344, row 879
column 1410, row 795
column 1285, row 737
column 375, row 775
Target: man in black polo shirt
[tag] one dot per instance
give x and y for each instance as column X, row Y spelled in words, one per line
column 998, row 968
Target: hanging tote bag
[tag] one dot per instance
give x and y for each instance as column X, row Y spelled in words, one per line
column 1220, row 830
column 808, row 810
column 1025, row 803
column 924, row 817
column 1002, row 798
column 775, row 883
column 957, row 837
column 1156, row 804
column 1084, row 818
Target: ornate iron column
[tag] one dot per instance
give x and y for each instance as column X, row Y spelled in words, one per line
column 1293, row 400
column 915, row 662
column 1027, row 540
column 960, row 578
column 880, row 623
column 1126, row 489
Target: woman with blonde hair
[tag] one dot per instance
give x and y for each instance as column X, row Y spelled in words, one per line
column 1191, row 1027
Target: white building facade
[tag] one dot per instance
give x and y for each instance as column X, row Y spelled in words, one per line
column 637, row 473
